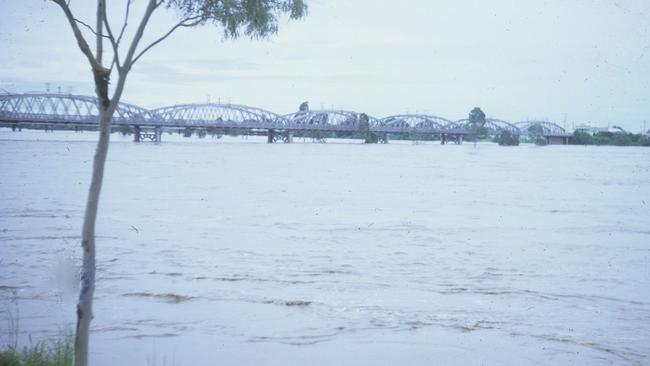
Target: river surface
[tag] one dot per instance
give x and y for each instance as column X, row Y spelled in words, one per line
column 236, row 252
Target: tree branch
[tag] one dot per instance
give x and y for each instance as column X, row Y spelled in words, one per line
column 101, row 8
column 87, row 26
column 126, row 19
column 81, row 41
column 126, row 66
column 114, row 43
column 114, row 63
column 128, row 61
column 102, row 78
column 187, row 22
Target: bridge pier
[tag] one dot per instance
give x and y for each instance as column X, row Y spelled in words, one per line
column 274, row 136
column 384, row 139
column 154, row 136
column 16, row 126
column 371, row 138
column 158, row 134
column 456, row 139
column 136, row 134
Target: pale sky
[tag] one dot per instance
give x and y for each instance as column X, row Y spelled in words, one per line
column 579, row 61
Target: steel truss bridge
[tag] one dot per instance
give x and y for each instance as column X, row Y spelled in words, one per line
column 46, row 110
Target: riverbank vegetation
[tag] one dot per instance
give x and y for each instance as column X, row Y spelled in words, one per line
column 610, row 138
column 58, row 352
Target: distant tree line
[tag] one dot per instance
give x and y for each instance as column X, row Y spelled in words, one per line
column 609, row 138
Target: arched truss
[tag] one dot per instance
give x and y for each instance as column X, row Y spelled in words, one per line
column 494, row 126
column 327, row 120
column 63, row 108
column 548, row 128
column 216, row 115
column 418, row 122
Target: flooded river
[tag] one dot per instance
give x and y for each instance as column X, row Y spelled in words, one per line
column 236, row 252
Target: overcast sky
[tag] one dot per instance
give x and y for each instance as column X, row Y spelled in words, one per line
column 579, row 61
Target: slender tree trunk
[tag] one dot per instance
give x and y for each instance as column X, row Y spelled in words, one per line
column 85, row 304
column 106, row 107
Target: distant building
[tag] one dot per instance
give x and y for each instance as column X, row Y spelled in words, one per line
column 593, row 130
column 557, row 140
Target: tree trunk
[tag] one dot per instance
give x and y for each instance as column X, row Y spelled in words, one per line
column 106, row 107
column 85, row 304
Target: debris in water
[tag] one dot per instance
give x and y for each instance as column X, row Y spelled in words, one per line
column 300, row 303
column 171, row 298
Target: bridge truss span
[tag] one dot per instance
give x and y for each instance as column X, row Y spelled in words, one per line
column 547, row 128
column 414, row 122
column 492, row 127
column 329, row 120
column 63, row 109
column 216, row 115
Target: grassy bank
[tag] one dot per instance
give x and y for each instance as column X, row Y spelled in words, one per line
column 59, row 352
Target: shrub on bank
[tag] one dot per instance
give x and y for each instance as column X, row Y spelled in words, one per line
column 506, row 138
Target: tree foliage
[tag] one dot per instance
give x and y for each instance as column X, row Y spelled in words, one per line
column 255, row 18
column 536, row 134
column 581, row 138
column 507, row 138
column 364, row 128
column 364, row 123
column 477, row 117
column 476, row 124
column 536, row 131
